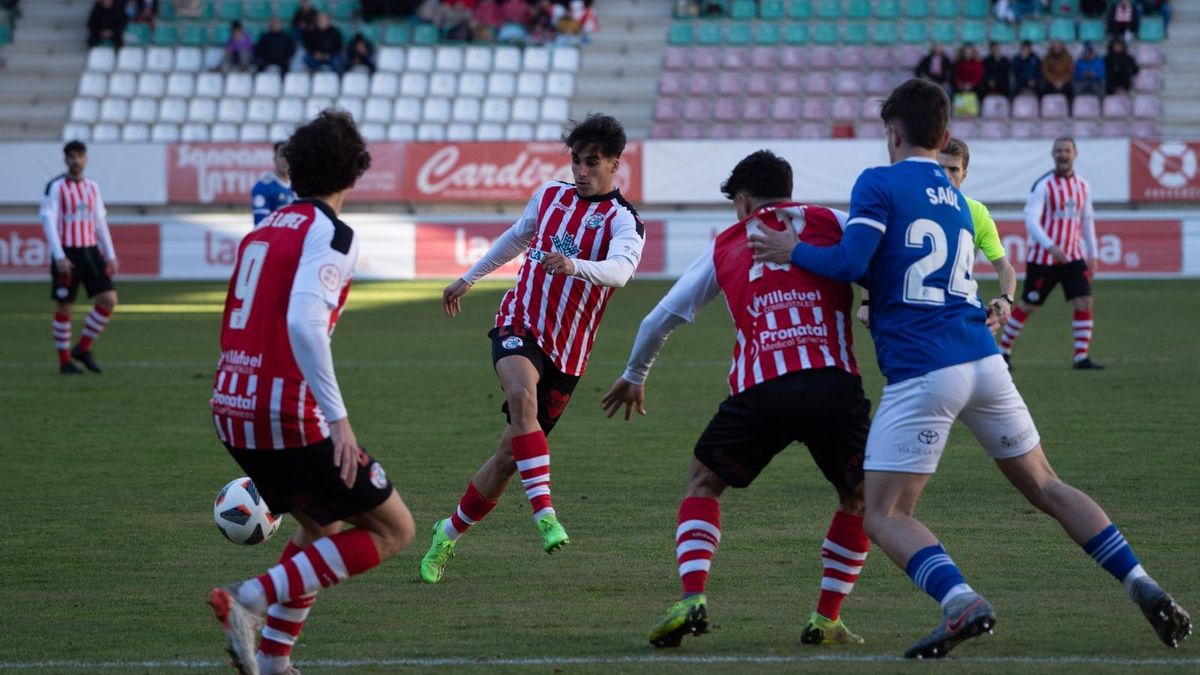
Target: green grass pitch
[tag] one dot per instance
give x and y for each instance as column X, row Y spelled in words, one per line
column 109, row 546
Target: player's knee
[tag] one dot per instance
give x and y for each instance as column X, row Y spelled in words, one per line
column 396, row 534
column 107, row 300
column 522, row 404
column 875, row 522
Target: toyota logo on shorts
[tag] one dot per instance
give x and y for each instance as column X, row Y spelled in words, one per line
column 928, row 436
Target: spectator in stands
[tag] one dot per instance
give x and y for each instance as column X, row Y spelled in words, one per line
column 1119, row 68
column 142, row 11
column 968, row 71
column 1027, row 70
column 485, row 21
column 1093, row 9
column 239, row 50
column 936, row 66
column 1123, row 20
column 324, row 46
column 997, row 73
column 1089, row 71
column 274, row 47
column 515, row 16
column 304, row 20
column 1162, row 7
column 452, row 17
column 188, row 9
column 106, row 23
column 543, row 22
column 372, row 9
column 360, row 52
column 1058, row 68
column 582, row 9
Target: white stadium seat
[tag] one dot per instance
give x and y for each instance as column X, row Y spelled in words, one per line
column 391, row 60
column 202, row 110
column 407, row 109
column 164, row 133
column 143, row 110
column 239, row 85
column 290, row 110
column 315, row 104
column 373, row 132
column 101, row 59
column 210, row 85
column 122, row 85
column 460, row 132
column 518, row 131
column 554, row 109
column 85, row 110
column 224, row 133
column 525, row 110
column 356, row 84
column 93, row 84
column 401, row 131
column 182, row 85
column 414, row 84
column 194, row 133
column 212, row 58
column 496, row 110
column 378, row 109
column 160, row 59
column 478, row 59
column 547, row 131
column 76, row 132
column 419, row 59
column 135, row 133
column 231, row 110
column 261, row 110
column 267, row 85
column 325, row 84
column 188, row 59
column 429, row 131
column 560, row 84
column 352, row 105
column 531, row 84
column 448, row 59
column 435, row 110
column 465, row 110
column 115, row 110
column 489, row 131
column 253, row 132
column 106, row 133
column 131, row 59
column 280, row 132
column 472, row 84
column 386, row 85
column 443, row 84
column 566, row 59
column 173, row 110
column 501, row 84
column 507, row 59
column 151, row 85
column 298, row 85
column 537, row 59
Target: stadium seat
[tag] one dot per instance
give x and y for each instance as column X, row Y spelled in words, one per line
column 525, row 110
column 449, row 59
column 993, row 129
column 144, row 110
column 93, row 85
column 224, row 132
column 789, row 84
column 531, row 84
column 945, row 32
column 849, row 82
column 976, row 9
column 115, row 110
column 1052, row 128
column 466, row 110
column 721, row 131
column 194, row 133
column 1086, row 106
column 767, row 34
column 188, row 60
column 253, row 132
column 173, row 110
column 425, row 34
column 1151, row 29
column 793, row 58
column 401, row 131
column 501, row 84
column 419, row 59
column 1032, row 30
column 800, row 9
column 1062, row 29
column 554, row 110
column 352, row 105
column 884, row 33
column 829, row 10
column 670, row 109
column 973, row 32
column 239, row 85
column 825, row 34
column 818, row 84
column 477, row 59
column 356, row 84
column 795, row 34
column 742, row 9
column 706, row 58
column 849, row 108
column 298, row 85
column 314, row 105
column 101, row 59
column 1025, row 106
column 122, row 84
column 869, row 130
column 279, row 132
column 497, row 109
column 181, row 85
column 407, row 109
column 391, row 60
column 202, row 110
column 823, row 58
column 813, row 131
column 537, row 59
column 1148, row 55
column 663, row 130
column 672, row 84
column 916, row 9
column 435, row 109
column 1114, row 128
column 785, row 109
column 816, row 109
column 518, row 131
column 1002, row 33
column 697, row 110
column 708, row 34
column 431, row 132
column 164, row 133
column 680, row 34
column 210, row 85
column 472, row 84
column 261, row 11
column 560, row 84
column 325, row 84
column 384, row 84
column 397, row 34
column 159, row 59
column 489, row 131
column 676, row 58
column 136, row 34
column 1148, row 81
column 547, row 131
column 1024, row 129
column 1145, row 106
column 701, row 84
column 218, row 36
column 726, row 109
column 854, row 33
column 1054, row 106
column 737, row 34
column 869, row 110
column 1145, row 129
column 765, row 58
column 506, row 59
column 946, row 9
column 267, row 85
column 106, row 133
column 1092, row 30
column 1117, row 106
column 460, row 131
column 758, row 84
column 231, row 110
column 261, row 110
column 1085, row 128
column 289, row 109
column 193, row 35
column 995, row 107
column 913, row 33
column 414, row 84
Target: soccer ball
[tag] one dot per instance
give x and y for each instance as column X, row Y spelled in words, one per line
column 242, row 514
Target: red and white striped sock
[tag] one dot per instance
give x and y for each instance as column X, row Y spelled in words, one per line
column 61, row 330
column 472, row 508
column 328, row 561
column 283, row 626
column 696, row 541
column 842, row 555
column 97, row 321
column 1081, row 326
column 533, row 462
column 1016, row 321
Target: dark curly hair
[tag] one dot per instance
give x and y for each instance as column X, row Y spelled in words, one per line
column 922, row 111
column 327, row 155
column 599, row 129
column 75, row 147
column 762, row 175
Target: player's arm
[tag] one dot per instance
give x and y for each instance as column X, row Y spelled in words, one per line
column 624, row 254
column 326, row 267
column 1035, row 206
column 104, row 235
column 49, row 214
column 1087, row 223
column 260, row 202
column 509, row 245
column 694, row 289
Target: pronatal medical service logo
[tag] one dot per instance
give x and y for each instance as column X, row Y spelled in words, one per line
column 1173, row 164
column 1164, row 171
column 512, row 342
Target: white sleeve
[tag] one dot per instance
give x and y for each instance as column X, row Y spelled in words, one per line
column 624, row 254
column 1034, row 206
column 510, row 244
column 103, row 235
column 49, row 214
column 1088, row 222
column 323, row 273
column 841, row 216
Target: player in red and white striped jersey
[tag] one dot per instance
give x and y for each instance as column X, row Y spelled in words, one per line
column 75, row 223
column 1061, row 249
column 793, row 378
column 580, row 241
column 278, row 409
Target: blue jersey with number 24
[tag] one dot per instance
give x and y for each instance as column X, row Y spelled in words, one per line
column 925, row 311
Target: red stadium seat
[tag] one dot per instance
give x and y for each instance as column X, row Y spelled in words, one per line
column 1116, row 106
column 823, row 58
column 1054, row 106
column 1114, row 128
column 701, row 84
column 761, row 84
column 735, row 58
column 676, row 59
column 785, row 109
column 697, row 110
column 793, row 58
column 764, row 58
column 728, row 110
column 818, row 84
column 993, row 129
column 1025, row 107
column 1085, row 128
column 816, row 109
column 846, row 108
column 995, row 107
column 1053, row 128
column 1147, row 106
column 731, row 84
column 705, row 58
column 1086, row 107
column 848, row 82
column 1145, row 129
column 667, row 110
column 755, row 109
column 1148, row 81
column 789, row 83
column 672, row 84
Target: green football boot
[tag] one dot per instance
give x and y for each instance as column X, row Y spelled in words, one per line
column 688, row 616
column 433, row 565
column 822, row 631
column 554, row 536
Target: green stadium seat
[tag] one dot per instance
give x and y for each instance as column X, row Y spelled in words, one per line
column 795, row 34
column 854, row 33
column 193, row 35
column 743, row 10
column 858, row 9
column 1001, row 32
column 974, row 32
column 259, row 11
column 287, row 9
column 218, row 34
column 680, row 34
column 771, row 10
column 230, row 10
column 343, row 10
column 165, row 34
column 1062, row 29
column 425, row 34
column 1065, row 7
column 829, row 9
column 1032, row 30
column 166, row 11
column 767, row 34
column 825, row 33
column 887, row 9
column 369, row 31
column 1152, row 29
column 914, row 33
column 256, row 28
column 916, row 9
column 884, row 33
column 1092, row 31
column 708, row 34
column 737, row 34
column 137, row 34
column 5, row 34
column 945, row 32
column 976, row 9
column 800, row 9
column 946, row 9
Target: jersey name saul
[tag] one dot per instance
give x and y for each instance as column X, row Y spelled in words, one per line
column 925, row 310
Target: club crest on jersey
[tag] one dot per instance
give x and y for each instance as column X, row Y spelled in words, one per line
column 594, row 221
column 331, row 277
column 565, row 245
column 378, row 476
column 512, row 342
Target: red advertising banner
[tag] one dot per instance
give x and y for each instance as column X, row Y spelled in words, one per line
column 1163, row 171
column 446, row 250
column 507, row 172
column 1126, row 246
column 24, row 253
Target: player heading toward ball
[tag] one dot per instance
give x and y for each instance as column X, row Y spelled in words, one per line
column 909, row 240
column 278, row 408
column 581, row 240
column 793, row 378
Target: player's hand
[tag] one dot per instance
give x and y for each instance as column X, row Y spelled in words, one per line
column 773, row 246
column 998, row 313
column 864, row 315
column 450, row 297
column 1093, row 265
column 110, row 266
column 1058, row 255
column 557, row 263
column 625, row 393
column 63, row 266
column 345, row 450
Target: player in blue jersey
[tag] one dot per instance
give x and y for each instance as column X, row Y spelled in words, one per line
column 909, row 241
column 273, row 190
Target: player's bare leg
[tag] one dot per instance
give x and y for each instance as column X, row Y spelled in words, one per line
column 62, row 338
column 97, row 320
column 1087, row 524
column 1081, row 329
column 843, row 554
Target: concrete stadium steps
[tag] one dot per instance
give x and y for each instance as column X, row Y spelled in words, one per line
column 1181, row 73
column 42, row 68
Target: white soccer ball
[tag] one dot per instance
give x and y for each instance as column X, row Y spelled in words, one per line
column 242, row 514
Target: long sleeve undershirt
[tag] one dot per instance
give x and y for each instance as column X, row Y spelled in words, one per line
column 308, row 329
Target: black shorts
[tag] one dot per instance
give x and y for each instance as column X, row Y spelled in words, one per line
column 1040, row 280
column 305, row 479
column 824, row 409
column 554, row 386
column 90, row 269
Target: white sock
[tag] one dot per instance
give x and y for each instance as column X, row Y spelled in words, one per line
column 252, row 595
column 1134, row 574
column 955, row 592
column 269, row 665
column 548, row 511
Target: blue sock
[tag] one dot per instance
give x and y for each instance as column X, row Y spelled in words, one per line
column 935, row 573
column 1110, row 549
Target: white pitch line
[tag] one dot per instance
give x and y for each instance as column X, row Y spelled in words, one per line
column 603, row 660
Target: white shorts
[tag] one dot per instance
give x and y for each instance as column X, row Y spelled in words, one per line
column 914, row 418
